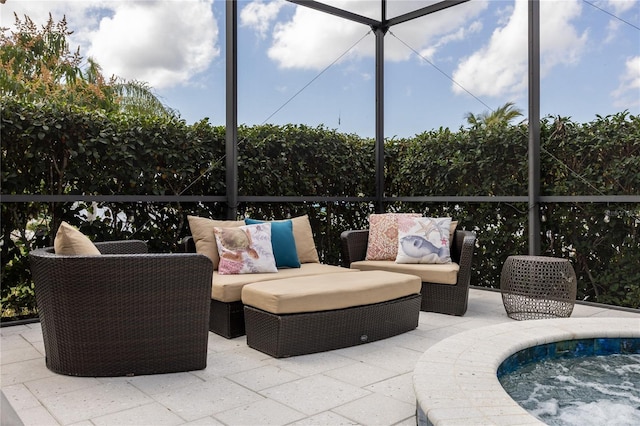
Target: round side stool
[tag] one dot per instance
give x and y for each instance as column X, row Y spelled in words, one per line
column 537, row 287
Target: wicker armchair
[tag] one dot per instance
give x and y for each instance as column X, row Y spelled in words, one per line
column 442, row 298
column 125, row 312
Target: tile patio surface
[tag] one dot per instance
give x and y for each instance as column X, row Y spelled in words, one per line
column 370, row 384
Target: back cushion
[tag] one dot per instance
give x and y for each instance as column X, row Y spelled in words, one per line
column 283, row 241
column 70, row 241
column 305, row 244
column 204, row 237
column 383, row 235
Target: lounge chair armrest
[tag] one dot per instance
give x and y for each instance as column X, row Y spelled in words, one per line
column 464, row 245
column 354, row 246
column 126, row 270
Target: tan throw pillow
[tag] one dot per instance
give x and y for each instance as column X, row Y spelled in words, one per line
column 383, row 235
column 70, row 241
column 452, row 231
column 305, row 244
column 205, row 239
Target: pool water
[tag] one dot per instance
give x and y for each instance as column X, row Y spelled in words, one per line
column 587, row 390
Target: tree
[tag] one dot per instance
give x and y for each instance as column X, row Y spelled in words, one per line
column 499, row 117
column 137, row 97
column 37, row 64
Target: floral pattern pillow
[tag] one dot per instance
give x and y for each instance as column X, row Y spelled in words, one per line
column 245, row 249
column 383, row 235
column 423, row 240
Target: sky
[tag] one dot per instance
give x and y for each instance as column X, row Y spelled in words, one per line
column 301, row 66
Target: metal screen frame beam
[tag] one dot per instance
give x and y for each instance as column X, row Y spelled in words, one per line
column 231, row 129
column 380, row 29
column 322, row 7
column 534, row 127
column 418, row 13
column 380, row 32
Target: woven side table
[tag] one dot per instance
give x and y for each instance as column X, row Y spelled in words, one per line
column 536, row 287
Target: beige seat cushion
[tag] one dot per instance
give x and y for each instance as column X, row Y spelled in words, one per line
column 443, row 273
column 228, row 288
column 329, row 292
column 70, row 241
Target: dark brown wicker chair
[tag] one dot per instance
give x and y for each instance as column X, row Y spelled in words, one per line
column 125, row 312
column 442, row 298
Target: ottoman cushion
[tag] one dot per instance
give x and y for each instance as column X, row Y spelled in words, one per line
column 329, row 292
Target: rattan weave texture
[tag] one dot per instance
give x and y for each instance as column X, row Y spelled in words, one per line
column 304, row 333
column 537, row 287
column 126, row 312
column 442, row 298
column 227, row 318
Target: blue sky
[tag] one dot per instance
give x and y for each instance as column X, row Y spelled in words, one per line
column 590, row 59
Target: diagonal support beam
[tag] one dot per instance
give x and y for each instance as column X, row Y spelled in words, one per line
column 418, row 13
column 337, row 12
column 386, row 23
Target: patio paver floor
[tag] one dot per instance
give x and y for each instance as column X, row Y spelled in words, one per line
column 369, row 384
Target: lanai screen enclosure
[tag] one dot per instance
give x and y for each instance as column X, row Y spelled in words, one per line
column 380, row 28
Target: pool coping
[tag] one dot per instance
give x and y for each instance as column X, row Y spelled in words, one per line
column 456, row 382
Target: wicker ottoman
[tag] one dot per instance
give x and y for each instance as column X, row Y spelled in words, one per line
column 317, row 313
column 536, row 287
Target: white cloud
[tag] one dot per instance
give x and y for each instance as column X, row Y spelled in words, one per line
column 461, row 34
column 501, row 68
column 312, row 39
column 612, row 31
column 430, row 33
column 37, row 11
column 260, row 15
column 619, row 6
column 164, row 43
column 627, row 94
column 501, row 65
column 560, row 42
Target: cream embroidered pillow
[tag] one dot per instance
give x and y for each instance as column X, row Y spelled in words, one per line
column 423, row 240
column 383, row 235
column 303, row 237
column 245, row 249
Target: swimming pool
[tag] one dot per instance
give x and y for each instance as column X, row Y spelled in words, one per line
column 456, row 381
column 578, row 382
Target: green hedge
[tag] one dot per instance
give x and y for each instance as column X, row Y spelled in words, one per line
column 58, row 149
